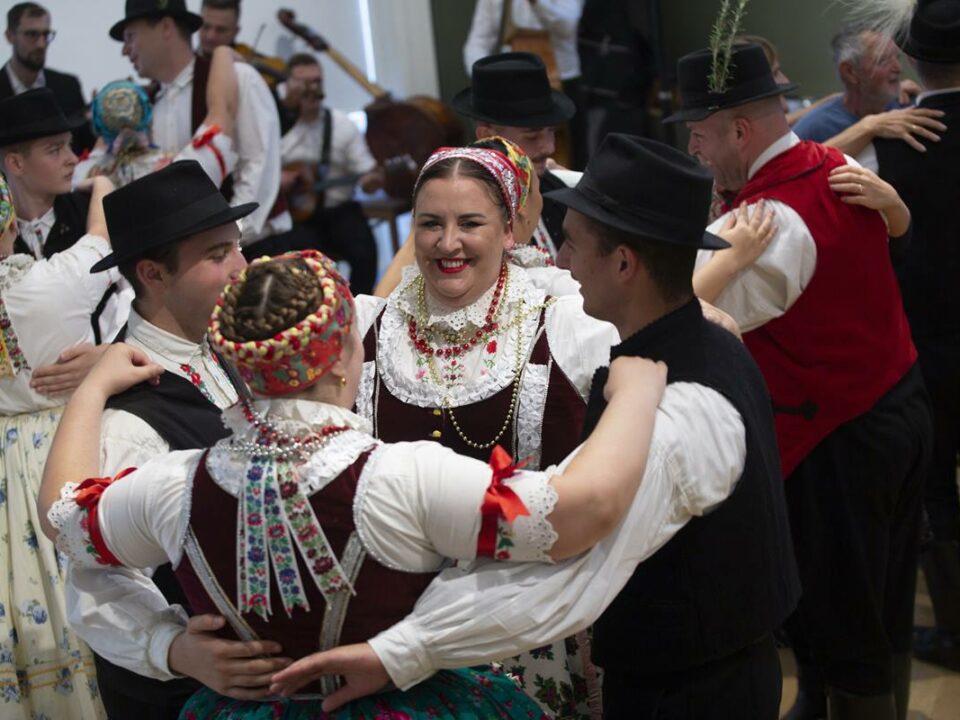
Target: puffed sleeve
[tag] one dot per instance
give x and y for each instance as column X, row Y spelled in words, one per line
column 420, row 503
column 579, row 344
column 137, row 519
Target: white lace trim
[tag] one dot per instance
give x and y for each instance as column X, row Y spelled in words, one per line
column 365, row 390
column 13, row 268
column 397, row 358
column 370, row 471
column 533, row 400
column 533, row 535
column 530, row 256
column 183, row 522
column 66, row 516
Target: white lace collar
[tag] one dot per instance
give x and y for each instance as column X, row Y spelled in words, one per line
column 13, row 268
column 227, row 464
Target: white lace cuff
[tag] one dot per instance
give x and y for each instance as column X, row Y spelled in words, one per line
column 530, row 537
column 73, row 535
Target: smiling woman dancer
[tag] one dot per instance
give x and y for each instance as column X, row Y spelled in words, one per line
column 303, row 488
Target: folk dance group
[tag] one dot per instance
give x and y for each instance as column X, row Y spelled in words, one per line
column 275, row 499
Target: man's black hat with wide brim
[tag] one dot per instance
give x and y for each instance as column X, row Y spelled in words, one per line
column 934, row 34
column 512, row 89
column 750, row 80
column 33, row 114
column 136, row 9
column 645, row 188
column 160, row 208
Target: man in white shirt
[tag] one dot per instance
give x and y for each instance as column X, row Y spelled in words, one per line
column 156, row 37
column 325, row 148
column 176, row 240
column 687, row 632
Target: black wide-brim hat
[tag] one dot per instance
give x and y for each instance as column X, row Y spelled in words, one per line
column 934, row 32
column 750, row 79
column 160, row 208
column 513, row 89
column 136, row 9
column 33, row 114
column 645, row 188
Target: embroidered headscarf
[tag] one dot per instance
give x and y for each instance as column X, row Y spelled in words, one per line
column 517, row 156
column 500, row 167
column 7, row 216
column 121, row 105
column 296, row 357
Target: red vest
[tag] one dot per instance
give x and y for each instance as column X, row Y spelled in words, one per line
column 384, row 596
column 846, row 340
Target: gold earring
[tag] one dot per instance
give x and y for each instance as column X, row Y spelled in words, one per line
column 343, row 381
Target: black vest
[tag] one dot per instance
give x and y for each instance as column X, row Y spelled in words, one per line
column 186, row 420
column 69, row 225
column 727, row 578
column 929, row 183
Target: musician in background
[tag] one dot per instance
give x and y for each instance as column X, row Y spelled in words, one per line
column 325, row 147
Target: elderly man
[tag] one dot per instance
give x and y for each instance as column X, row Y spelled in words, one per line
column 823, row 317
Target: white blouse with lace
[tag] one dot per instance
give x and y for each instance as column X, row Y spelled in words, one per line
column 416, row 504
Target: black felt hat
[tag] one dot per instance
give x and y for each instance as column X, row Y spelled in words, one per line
column 32, row 114
column 934, row 32
column 136, row 9
column 513, row 89
column 646, row 188
column 168, row 205
column 750, row 79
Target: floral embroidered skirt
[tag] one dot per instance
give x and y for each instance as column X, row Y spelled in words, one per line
column 46, row 672
column 468, row 694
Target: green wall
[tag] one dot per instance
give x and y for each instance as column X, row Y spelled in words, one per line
column 451, row 23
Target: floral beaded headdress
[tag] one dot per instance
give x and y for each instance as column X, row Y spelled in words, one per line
column 498, row 165
column 121, row 105
column 7, row 215
column 295, row 358
column 520, row 160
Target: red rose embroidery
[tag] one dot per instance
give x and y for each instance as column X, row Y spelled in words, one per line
column 492, row 347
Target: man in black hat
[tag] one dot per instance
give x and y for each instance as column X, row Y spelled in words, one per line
column 29, row 33
column 156, row 37
column 688, row 631
column 176, row 240
column 822, row 316
column 510, row 96
column 38, row 164
column 928, row 275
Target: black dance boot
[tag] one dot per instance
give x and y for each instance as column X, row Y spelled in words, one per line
column 940, row 645
column 901, row 683
column 811, row 702
column 847, row 706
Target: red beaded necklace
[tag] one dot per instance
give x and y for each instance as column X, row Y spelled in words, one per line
column 490, row 325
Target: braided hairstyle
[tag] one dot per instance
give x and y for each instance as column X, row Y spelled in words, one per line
column 275, row 295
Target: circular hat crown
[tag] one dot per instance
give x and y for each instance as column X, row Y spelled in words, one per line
column 934, row 32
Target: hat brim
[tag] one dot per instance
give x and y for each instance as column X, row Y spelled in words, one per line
column 570, row 198
column 562, row 109
column 695, row 114
column 217, row 219
column 40, row 130
column 930, row 53
column 193, row 21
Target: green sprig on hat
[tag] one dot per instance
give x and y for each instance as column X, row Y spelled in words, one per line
column 725, row 30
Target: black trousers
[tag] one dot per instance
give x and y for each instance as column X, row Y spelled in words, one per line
column 128, row 696
column 744, row 685
column 855, row 508
column 940, row 364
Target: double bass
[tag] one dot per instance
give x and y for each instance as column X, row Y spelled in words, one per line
column 401, row 134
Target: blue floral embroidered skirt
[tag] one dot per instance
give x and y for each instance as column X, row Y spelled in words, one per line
column 46, row 672
column 468, row 694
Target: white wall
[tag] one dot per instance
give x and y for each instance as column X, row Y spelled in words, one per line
column 400, row 31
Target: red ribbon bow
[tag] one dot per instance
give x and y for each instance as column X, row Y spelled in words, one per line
column 88, row 497
column 499, row 500
column 206, row 140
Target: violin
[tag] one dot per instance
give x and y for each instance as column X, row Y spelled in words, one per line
column 273, row 69
column 401, row 134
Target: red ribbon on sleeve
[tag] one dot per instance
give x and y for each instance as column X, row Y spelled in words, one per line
column 206, row 140
column 88, row 497
column 499, row 501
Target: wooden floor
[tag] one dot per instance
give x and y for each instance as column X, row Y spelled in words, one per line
column 934, row 693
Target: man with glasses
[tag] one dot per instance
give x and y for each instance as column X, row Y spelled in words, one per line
column 28, row 31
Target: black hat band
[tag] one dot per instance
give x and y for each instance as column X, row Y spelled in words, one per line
column 513, row 108
column 632, row 212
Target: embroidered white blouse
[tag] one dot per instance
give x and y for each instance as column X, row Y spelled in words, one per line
column 45, row 307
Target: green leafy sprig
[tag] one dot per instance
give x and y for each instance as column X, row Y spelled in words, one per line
column 725, row 29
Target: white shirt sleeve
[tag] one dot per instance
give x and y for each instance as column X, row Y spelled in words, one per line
column 419, row 503
column 257, row 134
column 498, row 610
column 46, row 327
column 578, row 343
column 484, row 32
column 356, row 155
column 768, row 288
column 868, row 158
column 367, row 308
column 127, row 441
